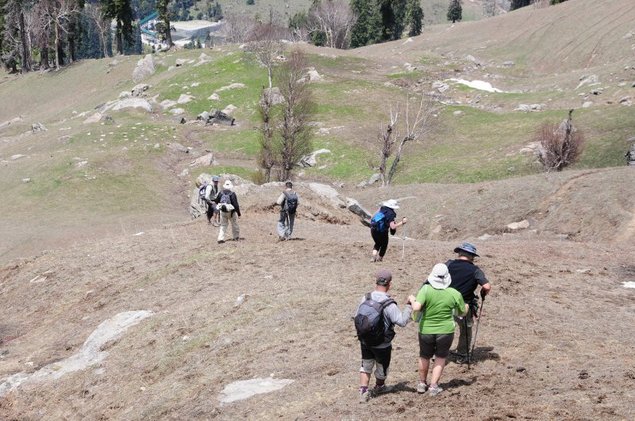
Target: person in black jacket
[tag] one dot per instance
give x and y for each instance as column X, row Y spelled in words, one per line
column 466, row 277
column 229, row 211
column 383, row 222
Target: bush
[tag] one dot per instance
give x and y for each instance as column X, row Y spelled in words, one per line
column 560, row 144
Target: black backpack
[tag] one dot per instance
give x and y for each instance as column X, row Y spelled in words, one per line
column 201, row 191
column 369, row 321
column 291, row 202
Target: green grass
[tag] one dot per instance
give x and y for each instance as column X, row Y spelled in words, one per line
column 345, row 162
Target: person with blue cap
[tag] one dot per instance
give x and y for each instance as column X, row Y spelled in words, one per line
column 211, row 191
column 466, row 277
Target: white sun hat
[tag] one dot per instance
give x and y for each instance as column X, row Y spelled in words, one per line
column 440, row 277
column 392, row 204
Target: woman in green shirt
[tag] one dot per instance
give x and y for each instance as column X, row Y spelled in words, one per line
column 436, row 303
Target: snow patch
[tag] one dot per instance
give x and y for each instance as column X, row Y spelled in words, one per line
column 245, row 389
column 477, row 84
column 89, row 354
column 630, row 284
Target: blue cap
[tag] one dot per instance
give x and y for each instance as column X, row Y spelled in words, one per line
column 215, row 178
column 468, row 248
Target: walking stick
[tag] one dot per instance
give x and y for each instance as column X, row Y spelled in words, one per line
column 403, row 244
column 478, row 322
column 467, row 345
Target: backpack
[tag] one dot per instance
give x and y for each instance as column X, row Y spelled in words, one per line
column 225, row 197
column 369, row 321
column 378, row 222
column 291, row 202
column 201, row 192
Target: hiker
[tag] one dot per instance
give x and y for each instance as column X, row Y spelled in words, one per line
column 436, row 302
column 466, row 277
column 382, row 222
column 288, row 202
column 376, row 346
column 211, row 190
column 229, row 211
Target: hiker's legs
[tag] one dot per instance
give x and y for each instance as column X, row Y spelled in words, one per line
column 437, row 370
column 209, row 212
column 381, row 243
column 442, row 349
column 424, row 365
column 235, row 227
column 282, row 225
column 368, row 362
column 382, row 357
column 224, row 221
column 465, row 334
column 290, row 225
column 427, row 346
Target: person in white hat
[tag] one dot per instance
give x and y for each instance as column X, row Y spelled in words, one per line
column 436, row 302
column 381, row 223
column 229, row 211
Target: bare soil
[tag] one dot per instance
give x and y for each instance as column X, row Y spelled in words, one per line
column 555, row 340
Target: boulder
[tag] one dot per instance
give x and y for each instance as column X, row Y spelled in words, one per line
column 587, row 80
column 177, row 111
column 197, row 207
column 145, row 68
column 274, row 95
column 95, row 118
column 17, row 156
column 508, row 63
column 130, row 103
column 626, row 100
column 523, row 107
column 139, row 89
column 167, row 103
column 220, row 118
column 38, row 127
column 180, row 62
column 203, row 161
column 440, row 86
column 229, row 109
column 184, row 99
column 124, row 94
column 313, row 76
column 587, row 104
column 311, row 159
column 516, row 226
column 354, row 206
column 214, row 97
column 231, row 86
column 204, row 116
column 328, row 193
column 177, row 147
column 374, row 178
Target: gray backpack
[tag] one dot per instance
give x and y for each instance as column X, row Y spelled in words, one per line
column 369, row 321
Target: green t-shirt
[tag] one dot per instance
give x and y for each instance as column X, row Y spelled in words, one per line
column 439, row 305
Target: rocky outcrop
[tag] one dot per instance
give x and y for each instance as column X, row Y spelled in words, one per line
column 145, row 68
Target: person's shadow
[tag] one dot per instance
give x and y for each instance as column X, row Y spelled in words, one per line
column 479, row 354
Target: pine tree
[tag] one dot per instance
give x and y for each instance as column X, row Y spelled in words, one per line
column 121, row 11
column 517, row 4
column 455, row 11
column 393, row 16
column 414, row 18
column 164, row 16
column 367, row 29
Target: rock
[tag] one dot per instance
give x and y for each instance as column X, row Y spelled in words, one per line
column 354, row 206
column 130, row 103
column 17, row 156
column 220, row 118
column 313, row 76
column 626, row 100
column 203, row 161
column 311, row 159
column 139, row 89
column 194, row 84
column 10, row 122
column 587, row 104
column 458, row 113
column 184, row 173
column 523, row 107
column 184, row 99
column 180, row 62
column 633, row 85
column 214, row 97
column 244, row 389
column 177, row 111
column 95, row 118
column 231, row 86
column 145, row 68
column 409, row 67
column 26, row 180
column 515, row 226
column 375, row 178
column 508, row 63
column 587, row 80
column 329, row 193
column 124, row 94
column 167, row 103
column 204, row 116
column 229, row 109
column 177, row 147
column 274, row 95
column 38, row 127
column 530, row 148
column 157, row 146
column 182, row 120
column 440, row 86
column 537, row 107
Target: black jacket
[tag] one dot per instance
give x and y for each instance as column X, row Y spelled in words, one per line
column 232, row 199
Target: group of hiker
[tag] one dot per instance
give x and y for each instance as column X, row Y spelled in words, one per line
column 222, row 208
column 444, row 302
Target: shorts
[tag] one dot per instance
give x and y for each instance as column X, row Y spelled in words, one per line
column 381, row 356
column 435, row 344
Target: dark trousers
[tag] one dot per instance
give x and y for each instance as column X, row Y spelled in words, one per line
column 381, row 241
column 210, row 211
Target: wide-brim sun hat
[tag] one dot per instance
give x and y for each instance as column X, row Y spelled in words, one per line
column 228, row 185
column 440, row 277
column 468, row 248
column 392, row 204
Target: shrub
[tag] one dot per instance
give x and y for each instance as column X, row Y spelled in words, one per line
column 560, row 144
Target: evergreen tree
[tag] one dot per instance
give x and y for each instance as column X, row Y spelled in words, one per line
column 367, row 29
column 393, row 16
column 164, row 16
column 455, row 11
column 121, row 11
column 414, row 18
column 552, row 2
column 517, row 4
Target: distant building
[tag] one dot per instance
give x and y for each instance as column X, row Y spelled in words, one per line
column 185, row 31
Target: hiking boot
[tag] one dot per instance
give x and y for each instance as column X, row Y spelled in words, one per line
column 364, row 395
column 422, row 387
column 434, row 390
column 221, row 241
column 381, row 389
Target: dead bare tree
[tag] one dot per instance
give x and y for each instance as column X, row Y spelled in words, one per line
column 415, row 127
column 335, row 19
column 294, row 140
column 266, row 156
column 560, row 145
column 266, row 45
column 59, row 13
column 238, row 28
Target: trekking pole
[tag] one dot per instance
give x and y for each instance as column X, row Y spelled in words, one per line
column 478, row 322
column 403, row 244
column 467, row 344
